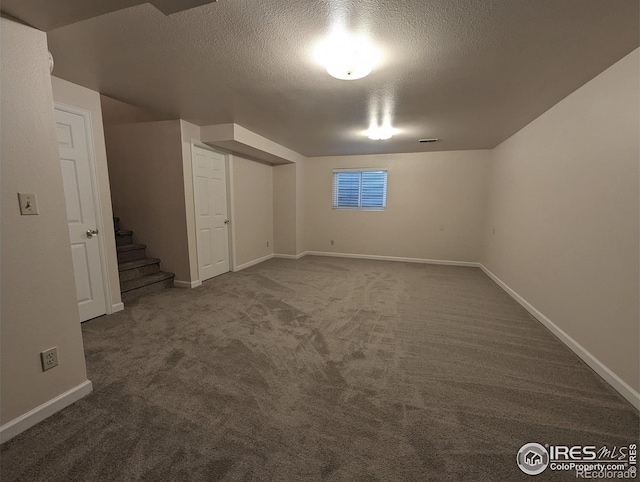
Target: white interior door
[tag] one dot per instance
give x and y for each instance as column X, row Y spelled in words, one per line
column 81, row 214
column 212, row 221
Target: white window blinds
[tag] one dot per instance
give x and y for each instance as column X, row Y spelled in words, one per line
column 360, row 189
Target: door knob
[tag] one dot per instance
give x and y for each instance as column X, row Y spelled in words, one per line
column 91, row 233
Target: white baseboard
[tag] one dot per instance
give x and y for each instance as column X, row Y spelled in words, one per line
column 291, row 256
column 252, row 263
column 115, row 308
column 394, row 258
column 187, row 284
column 596, row 365
column 38, row 414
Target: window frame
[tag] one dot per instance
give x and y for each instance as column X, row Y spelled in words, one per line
column 334, row 185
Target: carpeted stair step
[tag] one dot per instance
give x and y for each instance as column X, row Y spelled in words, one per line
column 137, row 268
column 131, row 252
column 124, row 237
column 145, row 285
column 138, row 274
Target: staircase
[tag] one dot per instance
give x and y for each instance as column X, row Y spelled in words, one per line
column 139, row 275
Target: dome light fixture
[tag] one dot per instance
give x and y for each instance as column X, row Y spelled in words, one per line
column 380, row 133
column 347, row 57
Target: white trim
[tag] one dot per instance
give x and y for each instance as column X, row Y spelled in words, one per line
column 202, row 145
column 232, row 213
column 358, row 208
column 600, row 368
column 38, row 414
column 117, row 307
column 252, row 263
column 361, row 169
column 97, row 204
column 290, row 256
column 394, row 258
column 187, row 284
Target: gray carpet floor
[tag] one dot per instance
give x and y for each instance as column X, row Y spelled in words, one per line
column 322, row 369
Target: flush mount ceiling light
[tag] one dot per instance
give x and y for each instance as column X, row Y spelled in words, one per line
column 380, row 133
column 347, row 57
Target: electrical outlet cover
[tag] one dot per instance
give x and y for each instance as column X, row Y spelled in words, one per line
column 49, row 358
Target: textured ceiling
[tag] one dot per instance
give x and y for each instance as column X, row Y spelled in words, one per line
column 469, row 72
column 51, row 14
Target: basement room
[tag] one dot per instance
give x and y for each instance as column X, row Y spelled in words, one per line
column 324, row 240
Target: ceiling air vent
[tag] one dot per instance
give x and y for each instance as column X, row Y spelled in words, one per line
column 425, row 141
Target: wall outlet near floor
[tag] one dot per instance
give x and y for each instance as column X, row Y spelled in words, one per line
column 49, row 358
column 442, row 227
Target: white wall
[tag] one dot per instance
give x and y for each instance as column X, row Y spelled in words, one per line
column 117, row 112
column 284, row 209
column 150, row 169
column 301, row 245
column 564, row 205
column 146, row 172
column 253, row 209
column 76, row 96
column 289, row 208
column 190, row 133
column 39, row 307
column 425, row 191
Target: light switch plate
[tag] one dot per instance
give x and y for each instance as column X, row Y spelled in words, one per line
column 28, row 203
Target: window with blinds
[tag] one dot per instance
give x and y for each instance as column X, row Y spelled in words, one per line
column 364, row 189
